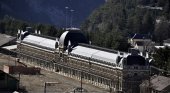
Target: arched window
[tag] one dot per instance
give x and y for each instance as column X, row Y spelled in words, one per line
column 135, row 67
column 135, row 74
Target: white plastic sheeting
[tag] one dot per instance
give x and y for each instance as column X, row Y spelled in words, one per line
column 41, row 41
column 10, row 47
column 95, row 54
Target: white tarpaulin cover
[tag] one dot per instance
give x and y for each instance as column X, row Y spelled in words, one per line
column 95, row 53
column 41, row 41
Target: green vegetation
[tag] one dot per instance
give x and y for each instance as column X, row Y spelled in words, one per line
column 10, row 26
column 111, row 24
column 162, row 59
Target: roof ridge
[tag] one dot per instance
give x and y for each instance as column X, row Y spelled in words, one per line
column 99, row 48
column 44, row 36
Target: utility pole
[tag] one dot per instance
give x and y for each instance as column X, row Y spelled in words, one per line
column 45, row 87
column 9, row 57
column 19, row 79
column 81, row 81
column 118, row 82
column 110, row 87
column 150, row 79
column 71, row 20
column 66, row 8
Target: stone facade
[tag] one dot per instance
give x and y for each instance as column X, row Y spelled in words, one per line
column 73, row 66
column 113, row 77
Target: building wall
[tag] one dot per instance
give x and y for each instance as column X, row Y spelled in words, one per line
column 144, row 89
column 132, row 80
column 133, row 41
column 73, row 66
column 79, row 67
column 133, row 75
column 7, row 82
column 148, row 47
column 140, row 48
column 21, row 70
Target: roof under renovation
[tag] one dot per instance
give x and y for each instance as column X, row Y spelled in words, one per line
column 40, row 41
column 95, row 54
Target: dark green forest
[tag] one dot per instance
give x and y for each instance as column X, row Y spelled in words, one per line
column 162, row 58
column 111, row 24
column 10, row 26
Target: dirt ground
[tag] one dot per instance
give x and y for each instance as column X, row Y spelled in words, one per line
column 35, row 83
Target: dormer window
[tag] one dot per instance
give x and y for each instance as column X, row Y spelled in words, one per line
column 135, row 67
column 135, row 74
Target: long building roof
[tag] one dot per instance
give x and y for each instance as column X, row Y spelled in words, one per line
column 40, row 41
column 82, row 50
column 5, row 39
column 95, row 54
column 157, row 82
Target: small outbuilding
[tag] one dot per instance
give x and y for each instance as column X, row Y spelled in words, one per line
column 157, row 84
column 6, row 40
column 8, row 82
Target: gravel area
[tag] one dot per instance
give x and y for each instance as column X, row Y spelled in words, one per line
column 35, row 83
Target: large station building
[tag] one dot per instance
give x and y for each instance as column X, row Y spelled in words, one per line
column 72, row 56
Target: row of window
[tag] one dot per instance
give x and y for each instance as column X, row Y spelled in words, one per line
column 86, row 64
column 136, row 67
column 86, row 76
column 93, row 67
column 37, row 52
column 95, row 60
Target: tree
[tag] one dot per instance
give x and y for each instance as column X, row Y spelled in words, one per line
column 166, row 10
column 162, row 58
column 147, row 23
column 52, row 31
column 10, row 26
column 2, row 27
column 162, row 32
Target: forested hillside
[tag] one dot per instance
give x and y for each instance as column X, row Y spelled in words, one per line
column 110, row 25
column 162, row 59
column 10, row 26
column 48, row 11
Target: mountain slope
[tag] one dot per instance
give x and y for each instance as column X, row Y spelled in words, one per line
column 110, row 24
column 48, row 11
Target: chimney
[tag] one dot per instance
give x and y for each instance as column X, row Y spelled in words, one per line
column 18, row 34
column 19, row 31
column 39, row 32
column 69, row 46
column 35, row 31
column 147, row 55
column 118, row 53
column 22, row 31
column 141, row 53
column 69, row 43
column 90, row 42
